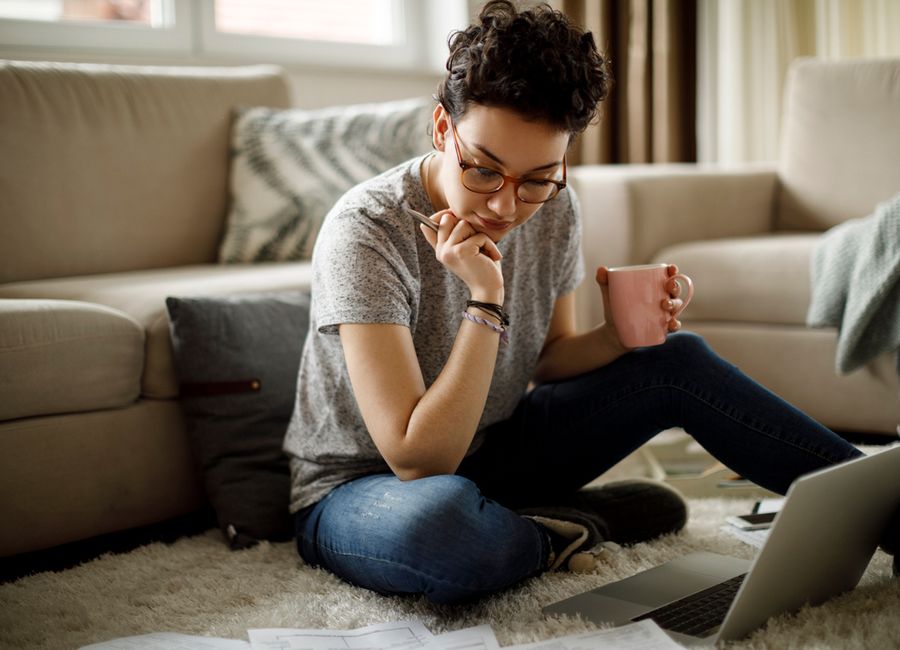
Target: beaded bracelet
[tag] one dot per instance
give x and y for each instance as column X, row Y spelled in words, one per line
column 500, row 329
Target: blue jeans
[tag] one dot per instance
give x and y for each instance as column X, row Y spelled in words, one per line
column 455, row 538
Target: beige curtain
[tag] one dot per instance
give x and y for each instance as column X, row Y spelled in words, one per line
column 650, row 114
column 745, row 48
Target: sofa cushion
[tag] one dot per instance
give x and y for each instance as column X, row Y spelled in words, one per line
column 748, row 279
column 237, row 359
column 109, row 168
column 60, row 356
column 840, row 149
column 142, row 294
column 290, row 166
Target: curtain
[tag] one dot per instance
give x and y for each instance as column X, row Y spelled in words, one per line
column 650, row 114
column 745, row 48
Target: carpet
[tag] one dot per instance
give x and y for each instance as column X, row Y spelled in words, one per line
column 197, row 586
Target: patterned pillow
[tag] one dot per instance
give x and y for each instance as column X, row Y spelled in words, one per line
column 290, row 166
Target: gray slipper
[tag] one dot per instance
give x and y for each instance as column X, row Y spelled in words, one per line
column 631, row 511
column 576, row 538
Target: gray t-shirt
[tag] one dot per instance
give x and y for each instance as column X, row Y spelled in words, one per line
column 371, row 264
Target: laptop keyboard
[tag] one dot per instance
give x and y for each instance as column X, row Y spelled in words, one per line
column 698, row 614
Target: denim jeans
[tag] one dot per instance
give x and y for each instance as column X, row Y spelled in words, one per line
column 455, row 538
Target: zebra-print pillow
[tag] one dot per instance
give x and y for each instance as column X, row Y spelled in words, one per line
column 290, row 166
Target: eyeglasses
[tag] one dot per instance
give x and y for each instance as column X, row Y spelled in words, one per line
column 485, row 180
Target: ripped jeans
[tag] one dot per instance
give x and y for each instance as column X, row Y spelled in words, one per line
column 455, row 538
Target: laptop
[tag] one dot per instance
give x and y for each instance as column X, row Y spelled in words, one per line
column 819, row 546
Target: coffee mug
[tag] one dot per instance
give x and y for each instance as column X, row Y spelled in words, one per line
column 637, row 296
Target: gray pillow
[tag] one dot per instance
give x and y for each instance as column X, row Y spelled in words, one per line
column 237, row 358
column 290, row 166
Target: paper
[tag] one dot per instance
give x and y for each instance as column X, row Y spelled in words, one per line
column 752, row 537
column 769, row 505
column 169, row 641
column 397, row 635
column 480, row 637
column 645, row 635
column 400, row 635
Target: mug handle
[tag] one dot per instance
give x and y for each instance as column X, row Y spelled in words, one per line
column 690, row 291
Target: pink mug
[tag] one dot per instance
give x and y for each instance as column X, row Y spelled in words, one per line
column 637, row 295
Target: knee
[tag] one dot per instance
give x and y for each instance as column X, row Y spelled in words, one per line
column 471, row 546
column 686, row 350
column 446, row 497
column 688, row 343
column 435, row 512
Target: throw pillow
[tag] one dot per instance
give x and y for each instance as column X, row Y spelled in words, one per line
column 289, row 167
column 237, row 358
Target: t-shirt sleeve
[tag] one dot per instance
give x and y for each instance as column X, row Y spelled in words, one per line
column 359, row 275
column 572, row 268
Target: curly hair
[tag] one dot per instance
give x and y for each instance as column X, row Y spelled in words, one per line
column 535, row 62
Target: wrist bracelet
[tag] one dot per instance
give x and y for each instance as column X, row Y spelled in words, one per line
column 489, row 313
column 491, row 308
column 500, row 329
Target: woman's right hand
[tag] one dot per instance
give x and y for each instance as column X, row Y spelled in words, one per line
column 470, row 255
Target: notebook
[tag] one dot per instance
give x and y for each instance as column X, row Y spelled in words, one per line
column 819, row 546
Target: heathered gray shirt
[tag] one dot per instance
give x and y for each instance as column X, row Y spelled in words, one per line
column 371, row 264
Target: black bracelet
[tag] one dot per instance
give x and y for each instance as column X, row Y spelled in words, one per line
column 491, row 308
column 488, row 312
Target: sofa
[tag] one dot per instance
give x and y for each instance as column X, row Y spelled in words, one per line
column 114, row 195
column 746, row 235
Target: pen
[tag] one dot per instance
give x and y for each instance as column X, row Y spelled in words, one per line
column 421, row 218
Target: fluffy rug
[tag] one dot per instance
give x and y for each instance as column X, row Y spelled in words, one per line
column 197, row 586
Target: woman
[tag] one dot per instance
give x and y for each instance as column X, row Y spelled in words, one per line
column 415, row 437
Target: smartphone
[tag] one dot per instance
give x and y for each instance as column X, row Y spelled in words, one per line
column 755, row 521
column 421, row 218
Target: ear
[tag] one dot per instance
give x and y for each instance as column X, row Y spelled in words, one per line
column 441, row 123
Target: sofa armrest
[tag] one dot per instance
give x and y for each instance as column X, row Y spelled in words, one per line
column 67, row 356
column 632, row 212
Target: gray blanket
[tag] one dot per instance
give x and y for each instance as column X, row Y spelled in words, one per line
column 856, row 286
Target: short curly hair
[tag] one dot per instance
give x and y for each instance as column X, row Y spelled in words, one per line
column 535, row 62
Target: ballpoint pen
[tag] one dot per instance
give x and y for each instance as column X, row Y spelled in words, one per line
column 421, row 218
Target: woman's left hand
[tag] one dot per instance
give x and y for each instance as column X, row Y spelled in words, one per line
column 672, row 305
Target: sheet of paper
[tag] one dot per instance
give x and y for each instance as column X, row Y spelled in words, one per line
column 169, row 641
column 752, row 537
column 396, row 636
column 480, row 637
column 770, row 505
column 645, row 635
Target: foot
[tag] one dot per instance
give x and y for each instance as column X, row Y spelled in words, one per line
column 634, row 510
column 575, row 537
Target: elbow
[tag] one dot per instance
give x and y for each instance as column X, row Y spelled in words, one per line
column 416, row 472
column 413, row 456
column 412, row 473
column 416, row 468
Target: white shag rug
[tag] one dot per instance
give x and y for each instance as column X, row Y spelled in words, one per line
column 197, row 586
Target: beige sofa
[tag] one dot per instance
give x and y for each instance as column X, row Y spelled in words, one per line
column 746, row 235
column 113, row 192
column 113, row 196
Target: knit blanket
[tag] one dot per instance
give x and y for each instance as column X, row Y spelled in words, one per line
column 855, row 271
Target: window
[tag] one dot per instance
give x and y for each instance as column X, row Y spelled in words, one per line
column 149, row 13
column 405, row 34
column 380, row 32
column 369, row 22
column 151, row 25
